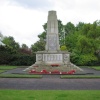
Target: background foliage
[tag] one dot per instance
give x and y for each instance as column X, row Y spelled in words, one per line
column 82, row 40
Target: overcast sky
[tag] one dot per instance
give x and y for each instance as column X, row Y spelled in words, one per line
column 23, row 19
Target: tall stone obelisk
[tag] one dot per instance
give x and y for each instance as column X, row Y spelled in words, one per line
column 52, row 39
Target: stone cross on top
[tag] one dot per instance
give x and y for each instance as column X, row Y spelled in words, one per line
column 52, row 39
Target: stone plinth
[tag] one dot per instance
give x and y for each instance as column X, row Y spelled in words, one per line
column 48, row 58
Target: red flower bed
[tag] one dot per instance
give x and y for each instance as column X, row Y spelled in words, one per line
column 55, row 72
column 63, row 72
column 38, row 73
column 32, row 71
column 71, row 72
column 44, row 71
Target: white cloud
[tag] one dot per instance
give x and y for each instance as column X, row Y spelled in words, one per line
column 25, row 23
column 34, row 4
column 78, row 10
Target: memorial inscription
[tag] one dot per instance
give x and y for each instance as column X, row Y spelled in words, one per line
column 52, row 57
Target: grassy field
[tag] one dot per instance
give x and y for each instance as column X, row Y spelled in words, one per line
column 2, row 71
column 19, row 76
column 7, row 67
column 79, row 76
column 96, row 67
column 49, row 95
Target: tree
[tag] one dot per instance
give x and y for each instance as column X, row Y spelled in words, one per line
column 83, row 41
column 25, row 50
column 69, row 28
column 61, row 33
column 9, row 41
column 6, row 54
column 71, row 41
column 88, row 43
column 42, row 36
column 24, row 46
column 38, row 46
column 45, row 27
column 79, row 26
column 1, row 36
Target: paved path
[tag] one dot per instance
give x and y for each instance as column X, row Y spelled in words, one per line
column 50, row 83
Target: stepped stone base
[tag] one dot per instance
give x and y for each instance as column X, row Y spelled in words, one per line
column 53, row 61
column 50, row 68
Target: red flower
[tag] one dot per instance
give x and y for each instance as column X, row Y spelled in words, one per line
column 55, row 72
column 32, row 71
column 44, row 71
column 71, row 72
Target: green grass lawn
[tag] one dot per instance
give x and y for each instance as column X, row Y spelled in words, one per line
column 79, row 76
column 96, row 67
column 2, row 70
column 49, row 95
column 19, row 76
column 7, row 67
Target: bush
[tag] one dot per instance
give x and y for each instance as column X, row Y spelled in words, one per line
column 25, row 60
column 63, row 48
column 5, row 54
column 10, row 57
column 84, row 59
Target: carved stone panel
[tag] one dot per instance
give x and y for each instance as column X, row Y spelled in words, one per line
column 52, row 42
column 52, row 27
column 52, row 58
column 39, row 57
column 66, row 58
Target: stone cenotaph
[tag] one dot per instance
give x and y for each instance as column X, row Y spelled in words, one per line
column 52, row 59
